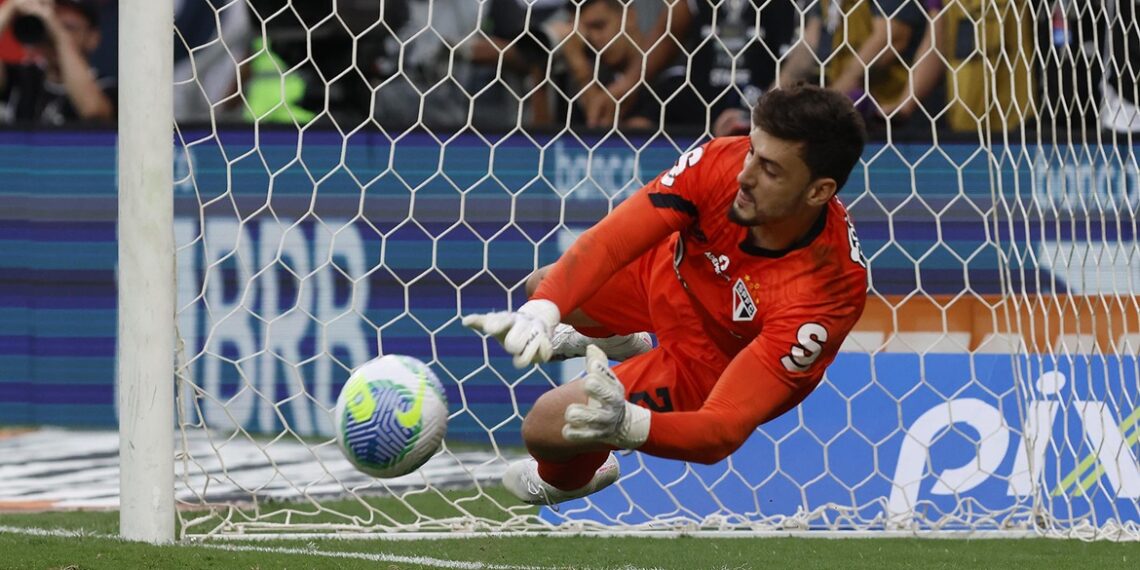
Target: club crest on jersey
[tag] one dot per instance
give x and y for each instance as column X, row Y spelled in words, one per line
column 743, row 307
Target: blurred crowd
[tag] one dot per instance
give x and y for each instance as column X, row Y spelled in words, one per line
column 911, row 66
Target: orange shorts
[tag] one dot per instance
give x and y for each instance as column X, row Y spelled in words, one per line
column 679, row 373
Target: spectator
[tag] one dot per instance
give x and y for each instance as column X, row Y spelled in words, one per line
column 206, row 73
column 898, row 51
column 734, row 61
column 1120, row 103
column 424, row 80
column 601, row 54
column 56, row 84
column 272, row 96
column 989, row 48
column 800, row 62
column 105, row 58
column 631, row 58
column 316, row 60
column 928, row 68
column 871, row 44
column 521, row 34
column 10, row 50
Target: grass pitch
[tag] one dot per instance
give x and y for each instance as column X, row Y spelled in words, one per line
column 86, row 540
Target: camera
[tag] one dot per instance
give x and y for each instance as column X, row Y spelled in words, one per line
column 29, row 29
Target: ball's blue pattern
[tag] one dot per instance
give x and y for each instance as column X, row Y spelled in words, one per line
column 381, row 441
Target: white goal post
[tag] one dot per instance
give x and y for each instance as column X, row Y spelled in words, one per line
column 146, row 272
column 349, row 178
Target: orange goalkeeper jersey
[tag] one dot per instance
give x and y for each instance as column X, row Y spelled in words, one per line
column 777, row 317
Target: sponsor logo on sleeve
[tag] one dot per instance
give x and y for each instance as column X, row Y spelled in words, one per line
column 719, row 264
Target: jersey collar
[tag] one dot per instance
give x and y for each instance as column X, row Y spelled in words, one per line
column 816, row 229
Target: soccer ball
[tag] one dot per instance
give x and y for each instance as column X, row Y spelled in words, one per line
column 391, row 416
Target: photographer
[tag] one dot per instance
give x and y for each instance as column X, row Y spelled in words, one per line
column 55, row 84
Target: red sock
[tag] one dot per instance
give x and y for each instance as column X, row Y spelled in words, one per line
column 573, row 473
column 594, row 332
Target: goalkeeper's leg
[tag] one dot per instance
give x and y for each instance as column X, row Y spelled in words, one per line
column 563, row 470
column 527, row 479
column 559, row 471
column 617, row 299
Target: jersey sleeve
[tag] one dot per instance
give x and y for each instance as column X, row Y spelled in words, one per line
column 667, row 204
column 797, row 345
column 601, row 251
column 769, row 377
column 681, row 193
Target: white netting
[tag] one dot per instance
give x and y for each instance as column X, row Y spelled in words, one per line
column 352, row 176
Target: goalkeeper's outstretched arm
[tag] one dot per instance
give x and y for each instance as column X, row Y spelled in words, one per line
column 630, row 230
column 745, row 397
column 770, row 376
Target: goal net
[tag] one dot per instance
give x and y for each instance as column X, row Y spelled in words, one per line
column 351, row 177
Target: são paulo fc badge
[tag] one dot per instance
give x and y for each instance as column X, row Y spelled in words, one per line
column 743, row 308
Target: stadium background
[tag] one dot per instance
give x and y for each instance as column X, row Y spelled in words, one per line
column 59, row 245
column 58, row 295
column 921, row 212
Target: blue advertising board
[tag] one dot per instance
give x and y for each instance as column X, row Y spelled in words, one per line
column 304, row 255
column 982, row 441
column 282, row 225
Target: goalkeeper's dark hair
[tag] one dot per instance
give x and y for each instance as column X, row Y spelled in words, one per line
column 824, row 120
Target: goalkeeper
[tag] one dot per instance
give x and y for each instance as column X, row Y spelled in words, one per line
column 743, row 263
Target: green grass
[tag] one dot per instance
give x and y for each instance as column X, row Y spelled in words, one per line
column 98, row 548
column 22, row 552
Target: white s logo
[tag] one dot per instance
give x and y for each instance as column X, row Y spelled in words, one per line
column 853, row 241
column 688, row 159
column 810, row 339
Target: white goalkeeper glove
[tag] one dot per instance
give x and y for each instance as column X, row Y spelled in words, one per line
column 524, row 333
column 605, row 417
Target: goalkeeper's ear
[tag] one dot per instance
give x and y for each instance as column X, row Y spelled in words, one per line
column 821, row 191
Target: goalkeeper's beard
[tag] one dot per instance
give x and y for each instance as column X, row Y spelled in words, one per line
column 739, row 217
column 748, row 213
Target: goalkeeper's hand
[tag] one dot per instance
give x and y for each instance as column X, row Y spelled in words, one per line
column 605, row 417
column 525, row 333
